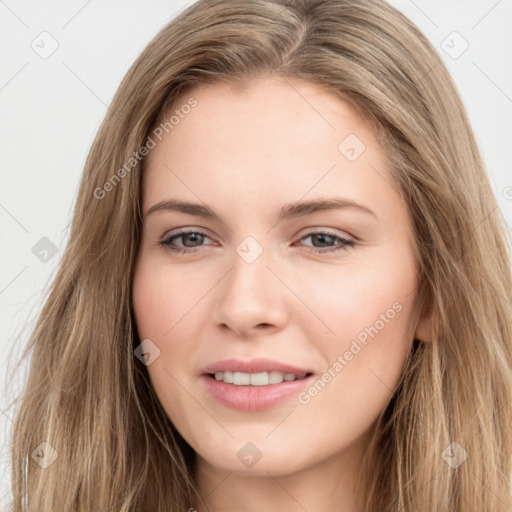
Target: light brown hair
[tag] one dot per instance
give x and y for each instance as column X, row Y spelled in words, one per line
column 90, row 398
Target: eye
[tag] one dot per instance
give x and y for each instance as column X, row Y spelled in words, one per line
column 191, row 240
column 327, row 242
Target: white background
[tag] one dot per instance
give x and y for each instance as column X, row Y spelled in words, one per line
column 51, row 109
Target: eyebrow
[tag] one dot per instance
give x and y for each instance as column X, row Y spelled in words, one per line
column 287, row 211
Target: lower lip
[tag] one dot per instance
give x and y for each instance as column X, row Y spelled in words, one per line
column 253, row 398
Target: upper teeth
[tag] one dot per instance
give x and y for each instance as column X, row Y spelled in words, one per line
column 256, row 379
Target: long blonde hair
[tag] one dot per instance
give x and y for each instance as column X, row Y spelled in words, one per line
column 90, row 400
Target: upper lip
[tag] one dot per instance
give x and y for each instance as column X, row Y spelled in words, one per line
column 256, row 365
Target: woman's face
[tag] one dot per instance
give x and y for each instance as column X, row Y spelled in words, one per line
column 275, row 246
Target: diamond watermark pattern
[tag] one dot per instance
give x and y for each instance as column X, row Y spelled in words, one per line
column 44, row 250
column 454, row 455
column 454, row 45
column 45, row 45
column 249, row 249
column 45, row 455
column 147, row 352
column 249, row 455
column 351, row 147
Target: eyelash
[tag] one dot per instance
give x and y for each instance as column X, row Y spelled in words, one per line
column 344, row 244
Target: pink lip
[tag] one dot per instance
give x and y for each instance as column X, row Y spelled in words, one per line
column 253, row 398
column 252, row 366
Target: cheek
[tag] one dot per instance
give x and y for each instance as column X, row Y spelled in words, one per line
column 362, row 333
column 166, row 309
column 153, row 305
column 171, row 308
column 160, row 298
column 357, row 300
column 366, row 357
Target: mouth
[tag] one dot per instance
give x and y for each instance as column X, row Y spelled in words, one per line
column 248, row 397
column 253, row 385
column 257, row 379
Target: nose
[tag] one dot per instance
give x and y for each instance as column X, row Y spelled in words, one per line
column 251, row 300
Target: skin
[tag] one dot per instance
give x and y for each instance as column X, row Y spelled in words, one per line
column 245, row 154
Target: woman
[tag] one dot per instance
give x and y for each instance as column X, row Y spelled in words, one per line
column 340, row 337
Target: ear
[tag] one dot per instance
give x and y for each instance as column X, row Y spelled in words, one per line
column 424, row 328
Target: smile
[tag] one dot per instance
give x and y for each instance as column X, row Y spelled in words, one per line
column 252, row 392
column 256, row 379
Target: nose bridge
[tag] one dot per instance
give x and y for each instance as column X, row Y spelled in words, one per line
column 249, row 276
column 250, row 250
column 249, row 297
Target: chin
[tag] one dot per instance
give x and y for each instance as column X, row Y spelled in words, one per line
column 258, row 458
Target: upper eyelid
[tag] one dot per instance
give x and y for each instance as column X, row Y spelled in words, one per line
column 312, row 231
column 186, row 231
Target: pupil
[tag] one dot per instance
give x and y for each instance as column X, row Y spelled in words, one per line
column 192, row 235
column 321, row 237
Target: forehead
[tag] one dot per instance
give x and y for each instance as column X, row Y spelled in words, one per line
column 282, row 117
column 268, row 103
column 272, row 138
